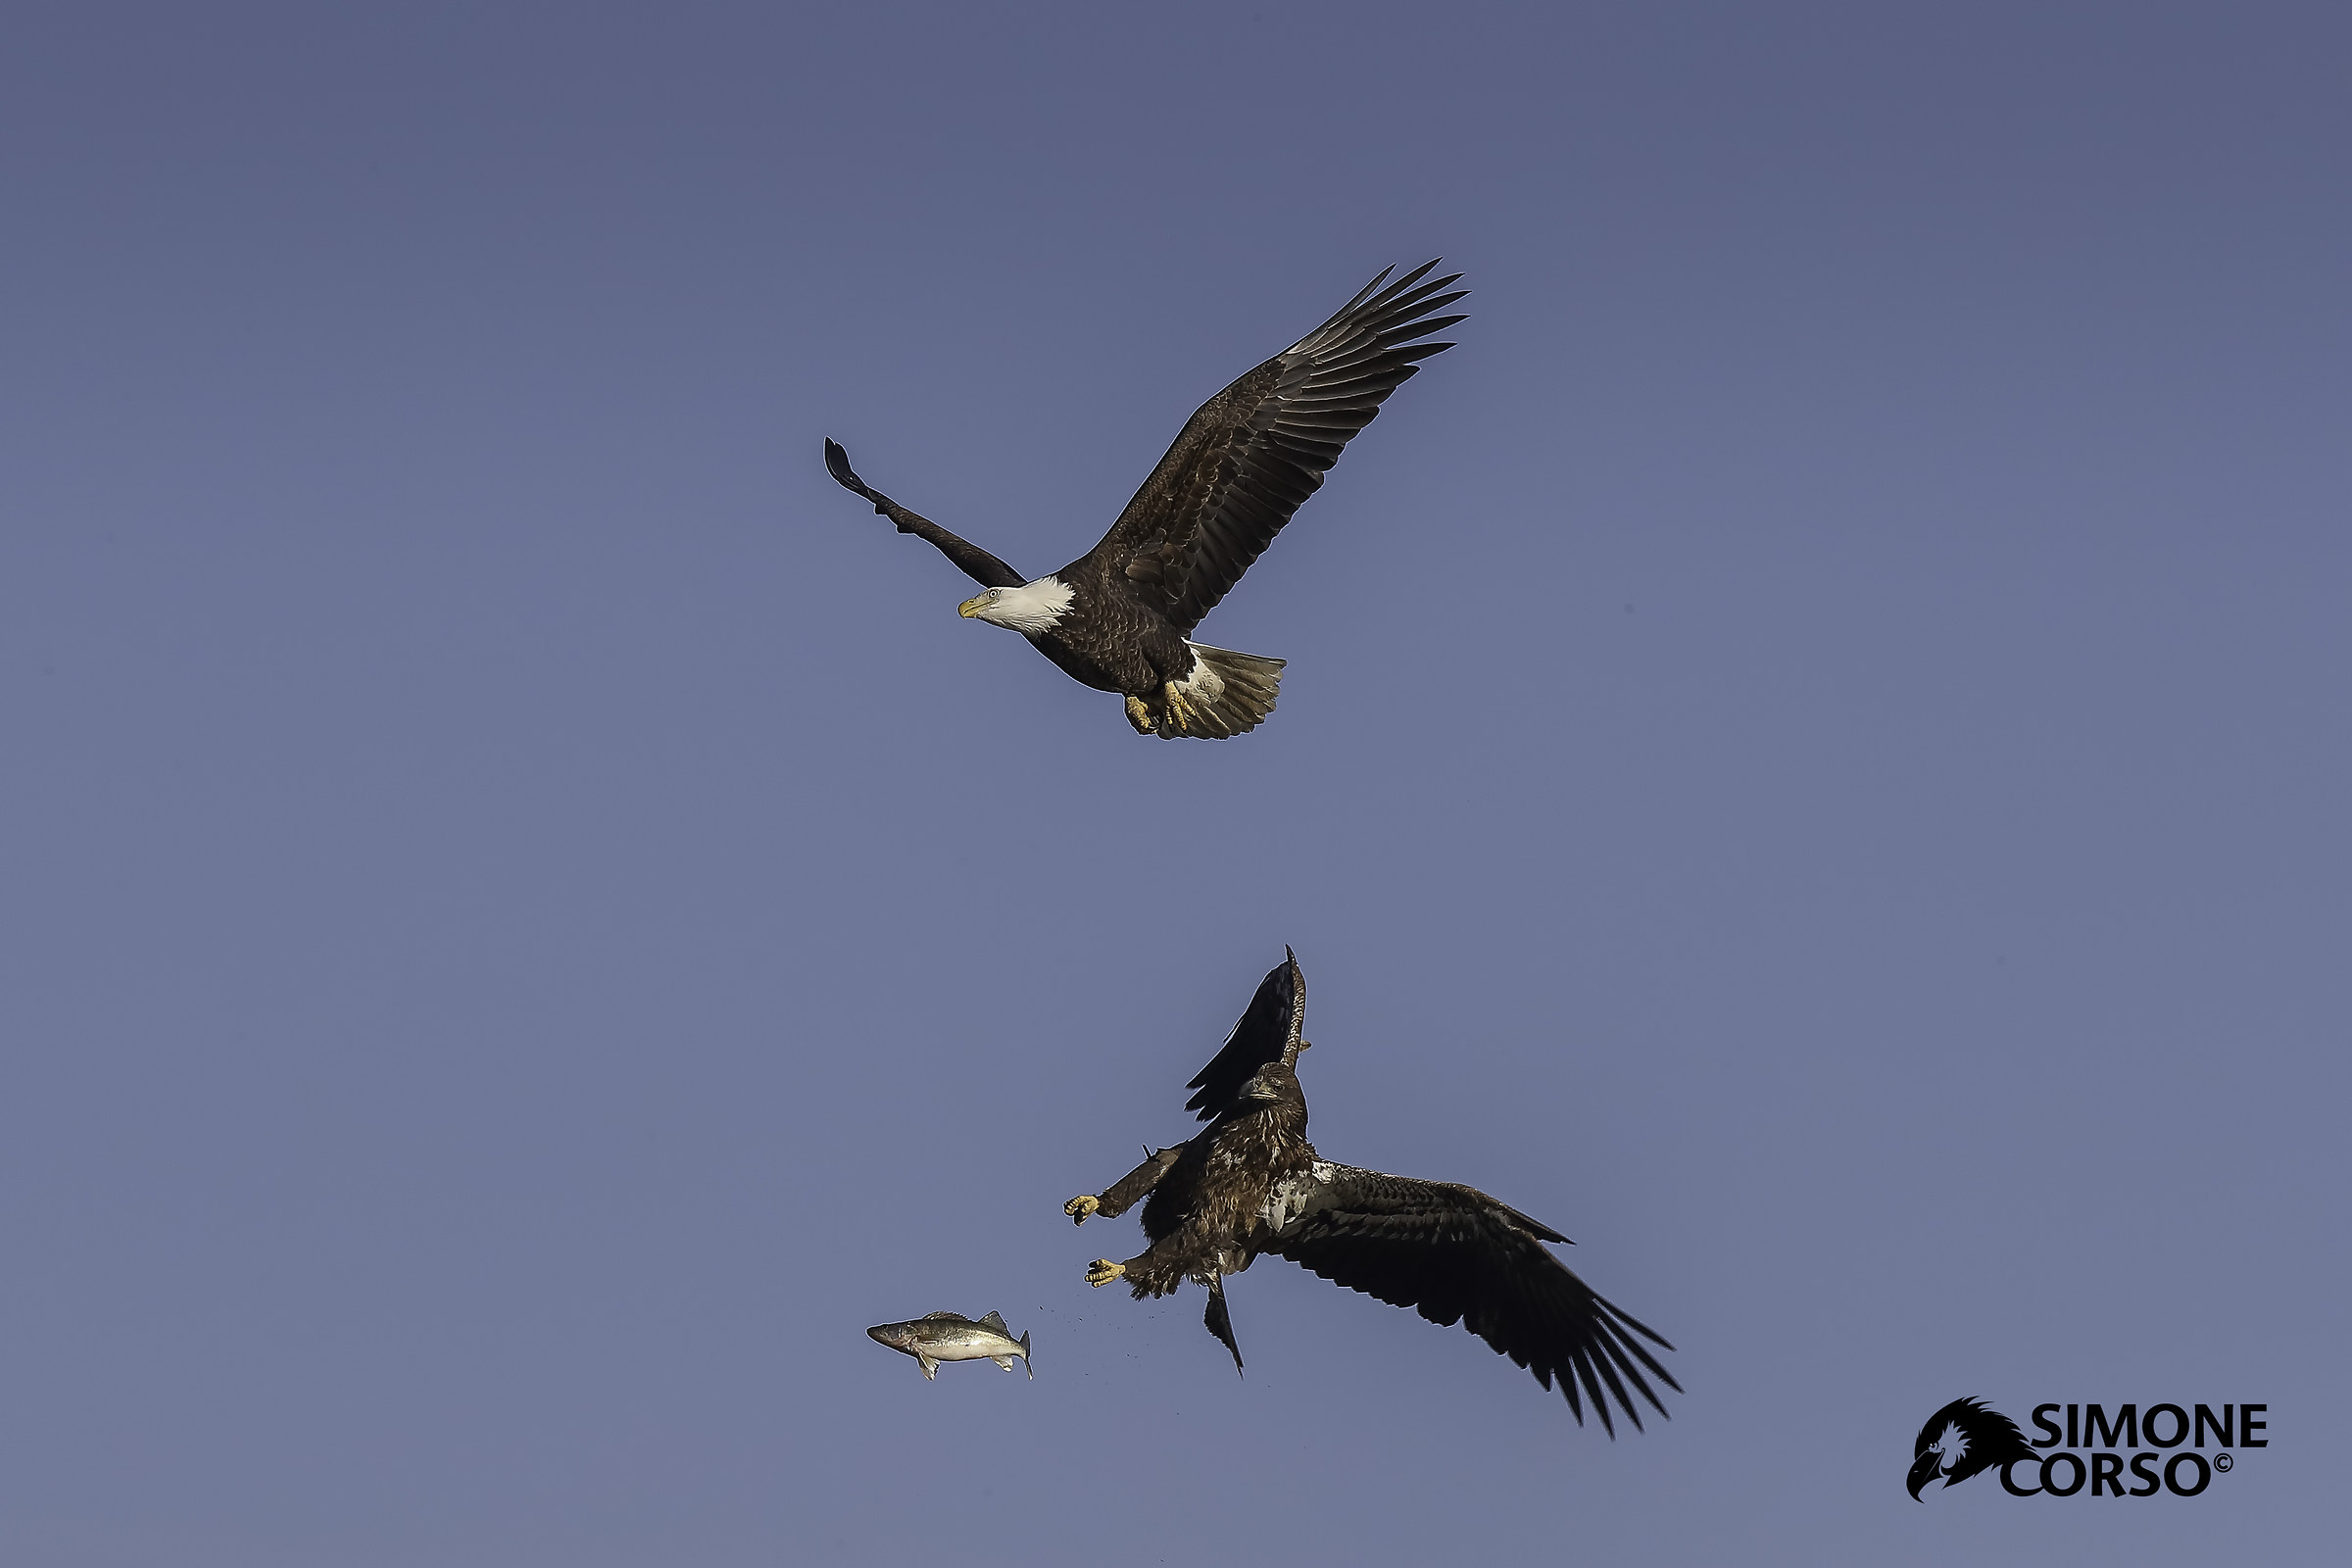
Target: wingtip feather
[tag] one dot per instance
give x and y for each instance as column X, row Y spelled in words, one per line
column 837, row 464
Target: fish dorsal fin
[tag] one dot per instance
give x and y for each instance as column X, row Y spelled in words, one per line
column 944, row 1317
column 992, row 1321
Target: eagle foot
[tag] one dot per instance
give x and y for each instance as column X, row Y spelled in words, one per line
column 1101, row 1271
column 1180, row 714
column 1081, row 1208
column 1139, row 714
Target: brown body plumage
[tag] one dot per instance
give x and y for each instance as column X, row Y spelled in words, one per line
column 1207, row 1216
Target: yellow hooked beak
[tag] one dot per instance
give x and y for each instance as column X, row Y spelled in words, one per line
column 977, row 602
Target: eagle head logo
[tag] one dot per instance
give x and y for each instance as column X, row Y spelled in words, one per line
column 1964, row 1439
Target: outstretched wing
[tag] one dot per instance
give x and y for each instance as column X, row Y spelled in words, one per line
column 972, row 561
column 1247, row 458
column 1454, row 1255
column 1268, row 1032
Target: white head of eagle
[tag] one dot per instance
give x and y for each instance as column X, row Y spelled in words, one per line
column 1033, row 607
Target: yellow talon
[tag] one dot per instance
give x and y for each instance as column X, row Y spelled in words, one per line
column 1081, row 1208
column 1101, row 1271
column 1140, row 716
column 1179, row 712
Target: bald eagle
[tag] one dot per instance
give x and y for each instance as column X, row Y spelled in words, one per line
column 1252, row 1184
column 1118, row 617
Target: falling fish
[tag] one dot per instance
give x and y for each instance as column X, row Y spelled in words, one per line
column 951, row 1336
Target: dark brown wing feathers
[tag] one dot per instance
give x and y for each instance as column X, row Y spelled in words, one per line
column 1454, row 1255
column 1250, row 455
column 1268, row 1032
column 969, row 559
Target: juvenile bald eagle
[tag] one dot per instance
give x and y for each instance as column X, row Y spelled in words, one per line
column 1117, row 617
column 1965, row 1438
column 1252, row 1184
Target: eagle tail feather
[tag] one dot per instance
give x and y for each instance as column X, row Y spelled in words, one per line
column 1219, row 1321
column 1226, row 694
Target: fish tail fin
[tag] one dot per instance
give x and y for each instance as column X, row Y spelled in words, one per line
column 1226, row 694
column 1025, row 1366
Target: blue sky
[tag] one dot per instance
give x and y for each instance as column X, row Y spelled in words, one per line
column 1813, row 759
